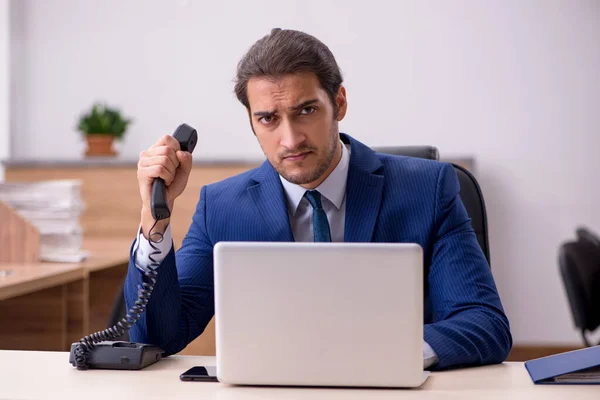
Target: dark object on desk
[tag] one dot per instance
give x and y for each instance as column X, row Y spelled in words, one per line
column 470, row 191
column 120, row 355
column 201, row 374
column 579, row 263
column 574, row 367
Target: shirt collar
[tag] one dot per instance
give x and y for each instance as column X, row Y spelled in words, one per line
column 333, row 188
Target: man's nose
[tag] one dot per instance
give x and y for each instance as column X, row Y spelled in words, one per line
column 291, row 136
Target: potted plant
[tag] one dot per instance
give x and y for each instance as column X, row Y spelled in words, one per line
column 101, row 125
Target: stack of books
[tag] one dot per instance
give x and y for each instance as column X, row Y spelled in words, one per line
column 54, row 207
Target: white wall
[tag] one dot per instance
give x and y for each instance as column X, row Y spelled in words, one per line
column 513, row 83
column 4, row 84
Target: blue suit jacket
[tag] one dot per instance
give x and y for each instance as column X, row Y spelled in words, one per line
column 388, row 199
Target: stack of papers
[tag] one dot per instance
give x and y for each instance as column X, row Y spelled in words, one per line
column 54, row 207
column 590, row 375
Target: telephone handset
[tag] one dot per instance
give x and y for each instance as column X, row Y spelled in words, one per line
column 187, row 138
column 97, row 350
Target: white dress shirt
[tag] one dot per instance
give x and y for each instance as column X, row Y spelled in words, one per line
column 333, row 198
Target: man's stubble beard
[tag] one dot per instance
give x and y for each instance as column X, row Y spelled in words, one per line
column 320, row 169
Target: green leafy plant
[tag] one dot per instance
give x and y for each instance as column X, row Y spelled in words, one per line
column 103, row 120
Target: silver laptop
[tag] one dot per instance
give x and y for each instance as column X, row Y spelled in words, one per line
column 319, row 314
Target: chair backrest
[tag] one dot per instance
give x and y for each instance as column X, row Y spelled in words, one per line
column 427, row 152
column 472, row 197
column 579, row 264
column 470, row 191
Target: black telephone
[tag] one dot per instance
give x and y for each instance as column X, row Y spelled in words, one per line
column 96, row 350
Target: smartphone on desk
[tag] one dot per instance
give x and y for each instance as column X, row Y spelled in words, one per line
column 202, row 374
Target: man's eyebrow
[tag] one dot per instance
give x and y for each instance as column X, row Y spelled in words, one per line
column 294, row 108
column 263, row 113
column 304, row 104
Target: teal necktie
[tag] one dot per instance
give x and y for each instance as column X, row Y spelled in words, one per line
column 320, row 223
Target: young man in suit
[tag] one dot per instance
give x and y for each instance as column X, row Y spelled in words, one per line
column 317, row 185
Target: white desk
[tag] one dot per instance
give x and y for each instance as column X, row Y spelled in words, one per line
column 48, row 375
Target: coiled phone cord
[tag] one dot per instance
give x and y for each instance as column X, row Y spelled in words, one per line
column 86, row 344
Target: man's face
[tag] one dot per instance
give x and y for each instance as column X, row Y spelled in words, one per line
column 294, row 122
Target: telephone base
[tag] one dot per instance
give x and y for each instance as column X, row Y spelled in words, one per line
column 120, row 355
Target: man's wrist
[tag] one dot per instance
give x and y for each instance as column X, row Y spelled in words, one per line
column 148, row 221
column 150, row 255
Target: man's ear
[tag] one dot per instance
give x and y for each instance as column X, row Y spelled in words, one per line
column 342, row 103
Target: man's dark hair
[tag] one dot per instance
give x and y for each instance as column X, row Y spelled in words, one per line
column 285, row 52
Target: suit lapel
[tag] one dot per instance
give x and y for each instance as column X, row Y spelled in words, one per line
column 267, row 193
column 364, row 191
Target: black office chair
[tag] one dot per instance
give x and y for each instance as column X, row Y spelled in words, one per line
column 579, row 264
column 427, row 152
column 470, row 191
column 119, row 311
